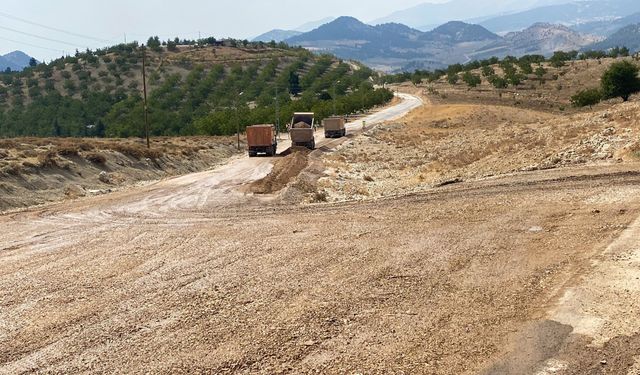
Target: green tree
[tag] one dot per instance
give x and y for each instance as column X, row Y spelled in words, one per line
column 154, row 43
column 588, row 97
column 471, row 79
column 620, row 80
column 294, row 83
column 499, row 82
column 100, row 129
column 33, row 62
column 488, row 71
column 55, row 128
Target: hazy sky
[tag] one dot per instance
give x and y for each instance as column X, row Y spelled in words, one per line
column 108, row 21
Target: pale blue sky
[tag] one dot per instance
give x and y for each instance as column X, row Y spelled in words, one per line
column 109, row 20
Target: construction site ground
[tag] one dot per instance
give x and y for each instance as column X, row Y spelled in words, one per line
column 460, row 239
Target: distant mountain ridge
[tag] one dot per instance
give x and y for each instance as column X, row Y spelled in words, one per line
column 16, row 61
column 606, row 28
column 279, row 35
column 460, row 32
column 540, row 38
column 628, row 36
column 423, row 15
column 572, row 13
column 276, row 35
column 393, row 46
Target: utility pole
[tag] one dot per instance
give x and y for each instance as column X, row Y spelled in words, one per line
column 144, row 88
column 238, row 119
column 277, row 113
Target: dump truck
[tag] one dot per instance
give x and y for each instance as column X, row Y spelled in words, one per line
column 261, row 139
column 301, row 130
column 334, row 127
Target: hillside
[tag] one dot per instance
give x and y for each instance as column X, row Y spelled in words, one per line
column 628, row 36
column 194, row 89
column 16, row 61
column 540, row 38
column 608, row 27
column 459, row 32
column 395, row 47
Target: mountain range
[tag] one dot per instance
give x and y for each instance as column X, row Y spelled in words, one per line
column 426, row 15
column 393, row 46
column 278, row 35
column 628, row 36
column 16, row 61
column 588, row 15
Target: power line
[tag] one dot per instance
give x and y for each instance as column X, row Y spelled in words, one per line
column 53, row 28
column 31, row 45
column 39, row 37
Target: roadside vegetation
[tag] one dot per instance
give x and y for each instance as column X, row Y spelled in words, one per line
column 205, row 87
column 503, row 73
column 566, row 81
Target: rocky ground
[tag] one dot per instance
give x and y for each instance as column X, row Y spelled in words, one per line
column 442, row 144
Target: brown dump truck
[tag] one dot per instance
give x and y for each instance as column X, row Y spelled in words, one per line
column 302, row 130
column 261, row 139
column 334, row 127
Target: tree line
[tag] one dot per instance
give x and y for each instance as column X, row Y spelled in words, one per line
column 515, row 70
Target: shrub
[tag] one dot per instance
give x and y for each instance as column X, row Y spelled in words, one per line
column 499, row 82
column 588, row 97
column 488, row 71
column 472, row 80
column 452, row 79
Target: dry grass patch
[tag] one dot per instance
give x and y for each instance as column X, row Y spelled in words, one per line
column 96, row 158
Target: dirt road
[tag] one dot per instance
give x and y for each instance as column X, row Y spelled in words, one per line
column 191, row 276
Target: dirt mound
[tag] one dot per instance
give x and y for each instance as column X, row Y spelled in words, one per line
column 284, row 170
column 35, row 171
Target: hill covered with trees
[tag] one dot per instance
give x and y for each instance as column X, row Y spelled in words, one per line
column 200, row 87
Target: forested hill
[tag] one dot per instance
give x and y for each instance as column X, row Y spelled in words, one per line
column 195, row 88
